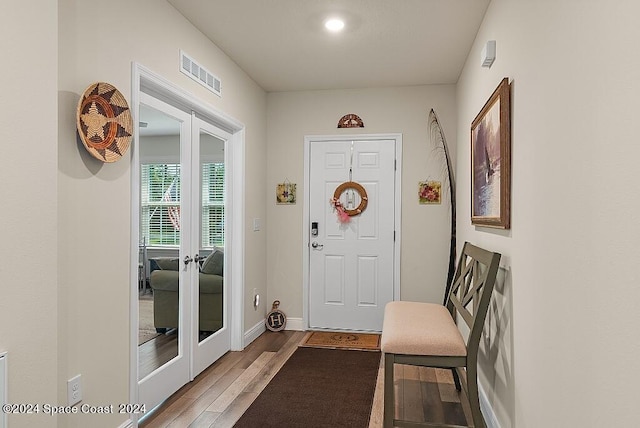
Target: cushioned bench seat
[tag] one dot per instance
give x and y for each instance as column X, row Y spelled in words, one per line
column 415, row 328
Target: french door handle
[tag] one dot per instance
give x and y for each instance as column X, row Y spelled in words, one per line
column 187, row 260
column 197, row 258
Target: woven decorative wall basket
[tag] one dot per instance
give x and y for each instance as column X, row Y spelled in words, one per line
column 104, row 122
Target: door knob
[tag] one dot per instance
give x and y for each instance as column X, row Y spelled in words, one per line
column 316, row 246
column 187, row 260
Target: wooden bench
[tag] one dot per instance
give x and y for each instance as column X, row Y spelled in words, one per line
column 426, row 334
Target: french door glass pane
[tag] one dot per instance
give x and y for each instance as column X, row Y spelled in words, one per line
column 212, row 200
column 160, row 196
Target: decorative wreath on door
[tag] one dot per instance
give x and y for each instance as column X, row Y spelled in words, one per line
column 344, row 214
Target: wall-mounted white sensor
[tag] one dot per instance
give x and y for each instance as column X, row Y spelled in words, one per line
column 488, row 54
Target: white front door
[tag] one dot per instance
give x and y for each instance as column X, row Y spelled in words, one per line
column 351, row 264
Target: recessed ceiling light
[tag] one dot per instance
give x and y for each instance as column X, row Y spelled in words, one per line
column 334, row 25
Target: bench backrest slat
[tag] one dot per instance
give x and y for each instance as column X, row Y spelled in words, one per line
column 473, row 284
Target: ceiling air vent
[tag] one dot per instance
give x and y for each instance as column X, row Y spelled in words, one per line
column 200, row 74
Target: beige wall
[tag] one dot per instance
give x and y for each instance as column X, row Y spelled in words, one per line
column 425, row 237
column 563, row 345
column 98, row 41
column 28, row 248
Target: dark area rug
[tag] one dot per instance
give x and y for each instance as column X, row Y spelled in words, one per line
column 317, row 388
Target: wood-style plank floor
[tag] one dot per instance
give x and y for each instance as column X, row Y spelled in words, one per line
column 223, row 392
column 156, row 352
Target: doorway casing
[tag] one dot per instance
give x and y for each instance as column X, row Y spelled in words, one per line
column 145, row 80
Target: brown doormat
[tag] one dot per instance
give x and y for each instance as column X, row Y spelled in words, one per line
column 343, row 340
column 317, row 388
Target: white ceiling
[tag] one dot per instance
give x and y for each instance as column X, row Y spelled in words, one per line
column 283, row 46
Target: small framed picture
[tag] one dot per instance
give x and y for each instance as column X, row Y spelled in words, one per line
column 429, row 192
column 286, row 193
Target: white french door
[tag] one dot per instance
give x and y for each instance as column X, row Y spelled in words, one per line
column 182, row 155
column 170, row 147
column 211, row 336
column 352, row 267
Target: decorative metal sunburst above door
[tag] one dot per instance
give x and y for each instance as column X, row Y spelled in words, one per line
column 350, row 121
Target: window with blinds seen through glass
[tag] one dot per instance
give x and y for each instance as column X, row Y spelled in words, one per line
column 160, row 204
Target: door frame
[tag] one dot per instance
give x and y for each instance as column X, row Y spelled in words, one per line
column 306, row 228
column 165, row 90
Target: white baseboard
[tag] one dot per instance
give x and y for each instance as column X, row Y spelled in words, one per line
column 295, row 324
column 253, row 333
column 487, row 411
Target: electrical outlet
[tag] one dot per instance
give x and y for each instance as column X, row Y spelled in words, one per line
column 256, row 299
column 74, row 390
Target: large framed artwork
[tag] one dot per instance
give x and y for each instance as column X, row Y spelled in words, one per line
column 491, row 161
